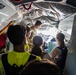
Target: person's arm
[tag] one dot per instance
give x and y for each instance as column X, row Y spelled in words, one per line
column 47, row 56
column 55, row 53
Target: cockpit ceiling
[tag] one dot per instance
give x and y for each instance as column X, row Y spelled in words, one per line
column 47, row 12
column 17, row 2
column 51, row 12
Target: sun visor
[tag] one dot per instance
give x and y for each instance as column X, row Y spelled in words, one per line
column 17, row 2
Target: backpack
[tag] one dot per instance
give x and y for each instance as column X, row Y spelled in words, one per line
column 13, row 70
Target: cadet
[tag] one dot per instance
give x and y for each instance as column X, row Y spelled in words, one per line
column 13, row 62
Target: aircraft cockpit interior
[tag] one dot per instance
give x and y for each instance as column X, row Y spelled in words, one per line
column 55, row 15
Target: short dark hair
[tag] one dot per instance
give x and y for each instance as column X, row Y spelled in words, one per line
column 41, row 67
column 38, row 23
column 16, row 34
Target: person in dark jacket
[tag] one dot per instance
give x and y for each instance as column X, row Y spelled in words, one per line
column 59, row 54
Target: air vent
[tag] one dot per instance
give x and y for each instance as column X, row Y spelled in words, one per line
column 1, row 6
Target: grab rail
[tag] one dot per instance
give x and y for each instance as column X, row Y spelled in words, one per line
column 2, row 31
